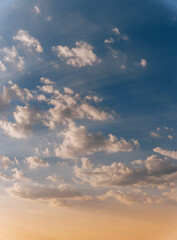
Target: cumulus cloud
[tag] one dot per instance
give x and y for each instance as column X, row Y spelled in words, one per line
column 77, row 142
column 10, row 55
column 46, row 80
column 25, row 119
column 56, row 196
column 28, row 41
column 154, row 171
column 66, row 108
column 80, row 56
column 35, row 162
column 167, row 153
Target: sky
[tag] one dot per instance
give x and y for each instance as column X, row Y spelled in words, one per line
column 88, row 119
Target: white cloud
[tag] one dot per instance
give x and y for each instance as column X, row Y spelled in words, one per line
column 28, row 41
column 110, row 40
column 116, row 31
column 80, row 56
column 78, row 142
column 36, row 9
column 2, row 67
column 46, row 80
column 35, row 162
column 68, row 90
column 10, row 55
column 167, row 153
column 143, row 62
column 25, row 119
column 154, row 171
column 6, row 162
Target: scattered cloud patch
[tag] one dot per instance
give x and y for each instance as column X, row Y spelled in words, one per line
column 80, row 56
column 28, row 41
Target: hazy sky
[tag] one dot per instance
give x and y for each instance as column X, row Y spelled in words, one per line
column 88, row 119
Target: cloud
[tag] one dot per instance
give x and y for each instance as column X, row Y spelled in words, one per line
column 2, row 67
column 68, row 90
column 28, row 41
column 10, row 55
column 35, row 162
column 78, row 142
column 66, row 108
column 46, row 80
column 167, row 153
column 143, row 62
column 129, row 197
column 36, row 9
column 155, row 135
column 110, row 40
column 154, row 171
column 55, row 196
column 6, row 162
column 80, row 56
column 25, row 118
column 116, row 31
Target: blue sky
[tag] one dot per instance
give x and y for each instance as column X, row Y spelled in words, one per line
column 113, row 63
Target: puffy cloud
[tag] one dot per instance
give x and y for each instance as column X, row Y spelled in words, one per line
column 18, row 175
column 116, row 31
column 110, row 40
column 25, row 119
column 28, row 41
column 6, row 162
column 153, row 171
column 36, row 9
column 143, row 62
column 10, row 55
column 46, row 80
column 77, row 142
column 68, row 90
column 67, row 108
column 56, row 196
column 167, row 153
column 35, row 162
column 80, row 56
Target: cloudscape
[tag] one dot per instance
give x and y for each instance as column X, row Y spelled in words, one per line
column 88, row 120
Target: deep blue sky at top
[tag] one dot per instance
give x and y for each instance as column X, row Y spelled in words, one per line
column 144, row 97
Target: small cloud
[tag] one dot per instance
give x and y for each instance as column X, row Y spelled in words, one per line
column 28, row 41
column 170, row 137
column 143, row 62
column 155, row 135
column 116, row 31
column 80, row 56
column 36, row 9
column 110, row 40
